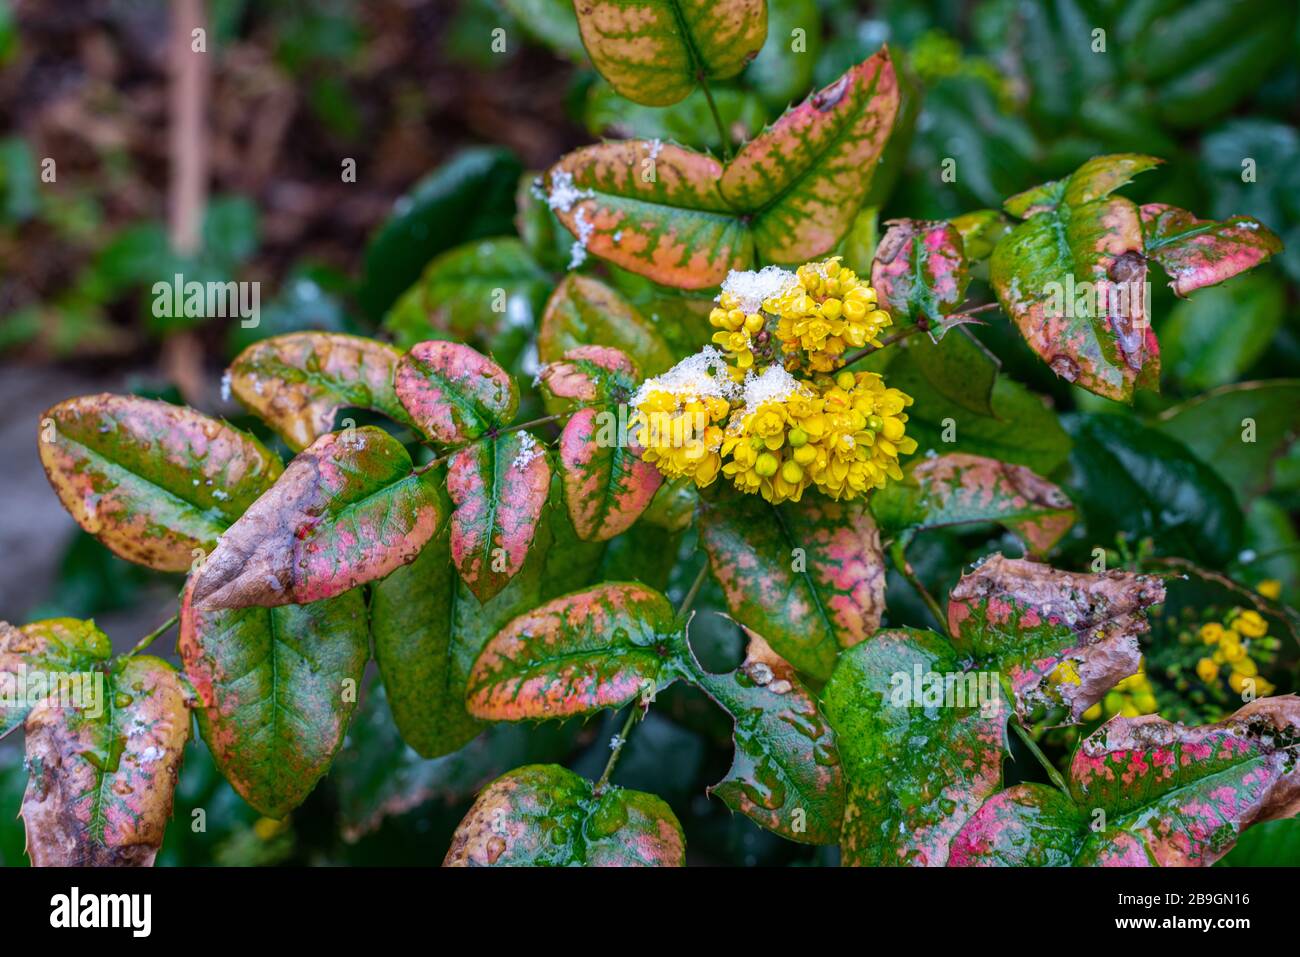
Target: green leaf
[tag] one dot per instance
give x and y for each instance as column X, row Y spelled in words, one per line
column 347, row 510
column 297, row 383
column 652, row 208
column 103, row 772
column 277, row 687
column 454, row 393
column 1165, row 795
column 1134, row 480
column 544, row 816
column 808, row 576
column 690, row 122
column 156, row 483
column 654, row 51
column 1076, row 232
column 553, row 23
column 783, row 69
column 1214, row 338
column 577, row 654
column 980, row 232
column 958, row 367
column 469, row 197
column 1202, row 252
column 805, row 177
column 962, row 489
column 785, row 775
column 482, row 293
column 1025, row 430
column 584, row 311
column 919, row 272
column 33, row 655
column 429, row 629
column 1240, row 431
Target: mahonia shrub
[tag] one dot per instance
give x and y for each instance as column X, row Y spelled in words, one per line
column 781, row 426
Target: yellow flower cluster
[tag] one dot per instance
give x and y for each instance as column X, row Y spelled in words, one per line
column 739, row 411
column 827, row 310
column 1232, row 645
column 1132, row 697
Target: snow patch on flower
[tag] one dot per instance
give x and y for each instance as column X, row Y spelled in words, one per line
column 751, row 287
column 528, row 450
column 703, row 374
column 773, row 385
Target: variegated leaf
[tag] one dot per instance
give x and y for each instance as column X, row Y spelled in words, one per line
column 39, row 656
column 499, row 486
column 577, row 654
column 297, row 383
column 655, row 51
column 1202, row 252
column 919, row 272
column 103, row 772
column 804, row 177
column 346, row 511
column 541, row 815
column 1072, row 277
column 277, row 688
column 808, row 576
column 154, row 482
column 454, row 393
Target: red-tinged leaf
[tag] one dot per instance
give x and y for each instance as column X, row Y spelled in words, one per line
column 655, row 51
column 606, row 484
column 1028, row 620
column 785, row 775
column 346, row 511
column 584, row 312
column 652, row 208
column 808, row 576
column 499, row 487
column 429, row 628
column 589, row 373
column 1097, row 335
column 541, row 815
column 1203, row 252
column 35, row 655
column 916, row 769
column 103, row 774
column 1145, row 792
column 920, row 272
column 454, row 393
column 277, row 688
column 154, row 482
column 577, row 654
column 962, row 489
column 805, row 176
column 297, row 383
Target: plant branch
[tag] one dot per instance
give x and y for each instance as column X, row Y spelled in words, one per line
column 952, row 321
column 898, row 552
column 148, row 639
column 1028, row 741
column 717, row 117
column 694, row 590
column 617, row 747
column 434, row 463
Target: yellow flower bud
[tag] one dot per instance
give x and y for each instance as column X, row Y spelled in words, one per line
column 1207, row 670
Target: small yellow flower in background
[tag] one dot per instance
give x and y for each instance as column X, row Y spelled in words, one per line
column 1064, row 673
column 1207, row 670
column 1270, row 588
column 1211, row 632
column 1131, row 697
column 824, row 313
column 1250, row 624
column 1093, row 713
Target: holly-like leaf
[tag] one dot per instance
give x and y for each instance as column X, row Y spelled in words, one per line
column 297, row 383
column 1075, row 232
column 541, row 815
column 103, row 771
column 584, row 311
column 454, row 393
column 652, row 208
column 499, row 486
column 1240, row 430
column 1163, row 794
column 915, row 773
column 804, row 177
column 655, row 51
column 37, row 656
column 277, row 688
column 980, row 232
column 154, row 482
column 590, row 373
column 809, row 577
column 1203, row 252
column 962, row 489
column 1028, row 620
column 785, row 774
column 957, row 367
column 577, row 654
column 429, row 628
column 347, row 510
column 919, row 272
